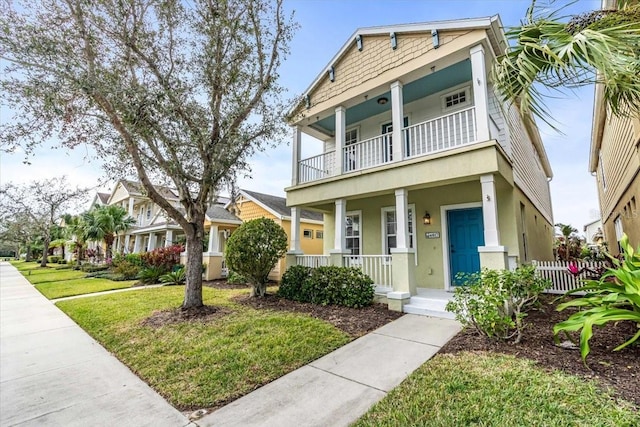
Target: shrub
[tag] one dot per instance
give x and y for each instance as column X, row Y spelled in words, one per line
column 292, row 281
column 62, row 261
column 614, row 297
column 174, row 278
column 164, row 258
column 345, row 286
column 151, row 275
column 254, row 249
column 133, row 259
column 236, row 278
column 495, row 302
column 90, row 268
column 53, row 259
column 127, row 269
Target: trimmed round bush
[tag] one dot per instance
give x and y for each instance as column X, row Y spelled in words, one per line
column 292, row 281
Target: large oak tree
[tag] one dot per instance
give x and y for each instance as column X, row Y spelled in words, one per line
column 181, row 92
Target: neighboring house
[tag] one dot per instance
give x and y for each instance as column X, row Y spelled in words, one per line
column 424, row 174
column 100, row 199
column 249, row 205
column 615, row 160
column 593, row 233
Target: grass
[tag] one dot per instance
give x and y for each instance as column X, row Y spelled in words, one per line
column 496, row 390
column 54, row 283
column 203, row 364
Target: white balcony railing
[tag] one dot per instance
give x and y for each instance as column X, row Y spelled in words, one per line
column 317, row 167
column 378, row 267
column 313, row 261
column 443, row 133
column 368, row 153
column 432, row 136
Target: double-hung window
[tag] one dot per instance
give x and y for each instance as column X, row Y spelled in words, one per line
column 390, row 227
column 353, row 224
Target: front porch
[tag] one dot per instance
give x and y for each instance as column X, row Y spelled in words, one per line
column 410, row 242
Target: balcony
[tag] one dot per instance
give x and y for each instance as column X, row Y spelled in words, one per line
column 429, row 137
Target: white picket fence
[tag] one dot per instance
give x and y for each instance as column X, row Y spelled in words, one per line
column 562, row 280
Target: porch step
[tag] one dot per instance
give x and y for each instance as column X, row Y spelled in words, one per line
column 429, row 306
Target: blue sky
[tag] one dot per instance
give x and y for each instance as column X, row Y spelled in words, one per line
column 325, row 25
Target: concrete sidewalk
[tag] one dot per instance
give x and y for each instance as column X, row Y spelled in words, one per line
column 53, row 374
column 338, row 388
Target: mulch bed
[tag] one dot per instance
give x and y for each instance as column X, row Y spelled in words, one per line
column 619, row 370
column 205, row 314
column 353, row 321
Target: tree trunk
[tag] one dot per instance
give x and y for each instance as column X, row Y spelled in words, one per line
column 108, row 240
column 45, row 250
column 28, row 255
column 193, row 267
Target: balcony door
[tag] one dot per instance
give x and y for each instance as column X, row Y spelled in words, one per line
column 387, row 146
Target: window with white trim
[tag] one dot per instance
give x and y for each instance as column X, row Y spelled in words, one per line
column 389, row 228
column 456, row 99
column 353, row 225
column 307, row 234
column 319, row 234
column 351, row 136
column 148, row 213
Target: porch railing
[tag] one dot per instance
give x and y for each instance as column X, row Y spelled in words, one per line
column 558, row 272
column 313, row 261
column 317, row 167
column 368, row 153
column 442, row 133
column 378, row 267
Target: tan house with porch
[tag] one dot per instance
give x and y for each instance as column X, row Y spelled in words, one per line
column 423, row 172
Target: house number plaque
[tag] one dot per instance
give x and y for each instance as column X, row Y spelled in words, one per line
column 432, row 235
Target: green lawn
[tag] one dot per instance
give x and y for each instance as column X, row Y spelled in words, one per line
column 54, row 283
column 203, row 364
column 67, row 288
column 472, row 389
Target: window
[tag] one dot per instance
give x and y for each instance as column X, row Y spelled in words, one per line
column 352, row 233
column 389, row 228
column 307, row 234
column 617, row 225
column 148, row 213
column 351, row 136
column 459, row 98
column 319, row 234
column 604, row 180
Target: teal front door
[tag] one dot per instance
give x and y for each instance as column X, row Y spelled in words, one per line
column 466, row 232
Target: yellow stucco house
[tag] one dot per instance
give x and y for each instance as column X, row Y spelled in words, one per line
column 423, row 173
column 250, row 205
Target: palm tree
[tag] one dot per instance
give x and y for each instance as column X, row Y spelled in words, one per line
column 77, row 231
column 600, row 46
column 104, row 222
column 567, row 231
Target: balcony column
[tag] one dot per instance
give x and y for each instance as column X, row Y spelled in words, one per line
column 397, row 119
column 341, row 125
column 137, row 243
column 130, row 206
column 294, row 248
column 214, row 244
column 339, row 238
column 492, row 254
column 296, row 143
column 168, row 238
column 480, row 94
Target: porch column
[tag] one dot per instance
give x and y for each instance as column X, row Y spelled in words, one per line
column 214, row 243
column 295, row 158
column 294, row 244
column 339, row 238
column 402, row 257
column 480, row 95
column 137, row 243
column 492, row 254
column 397, row 119
column 152, row 242
column 127, row 239
column 130, row 206
column 341, row 124
column 168, row 238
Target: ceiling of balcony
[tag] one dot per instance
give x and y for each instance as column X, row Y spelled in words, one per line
column 428, row 85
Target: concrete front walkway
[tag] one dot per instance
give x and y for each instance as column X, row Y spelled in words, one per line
column 338, row 388
column 53, row 374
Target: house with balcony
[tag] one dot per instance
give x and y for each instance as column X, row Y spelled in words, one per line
column 423, row 173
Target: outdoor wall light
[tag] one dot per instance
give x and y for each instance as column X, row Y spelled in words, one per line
column 383, row 100
column 426, row 219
